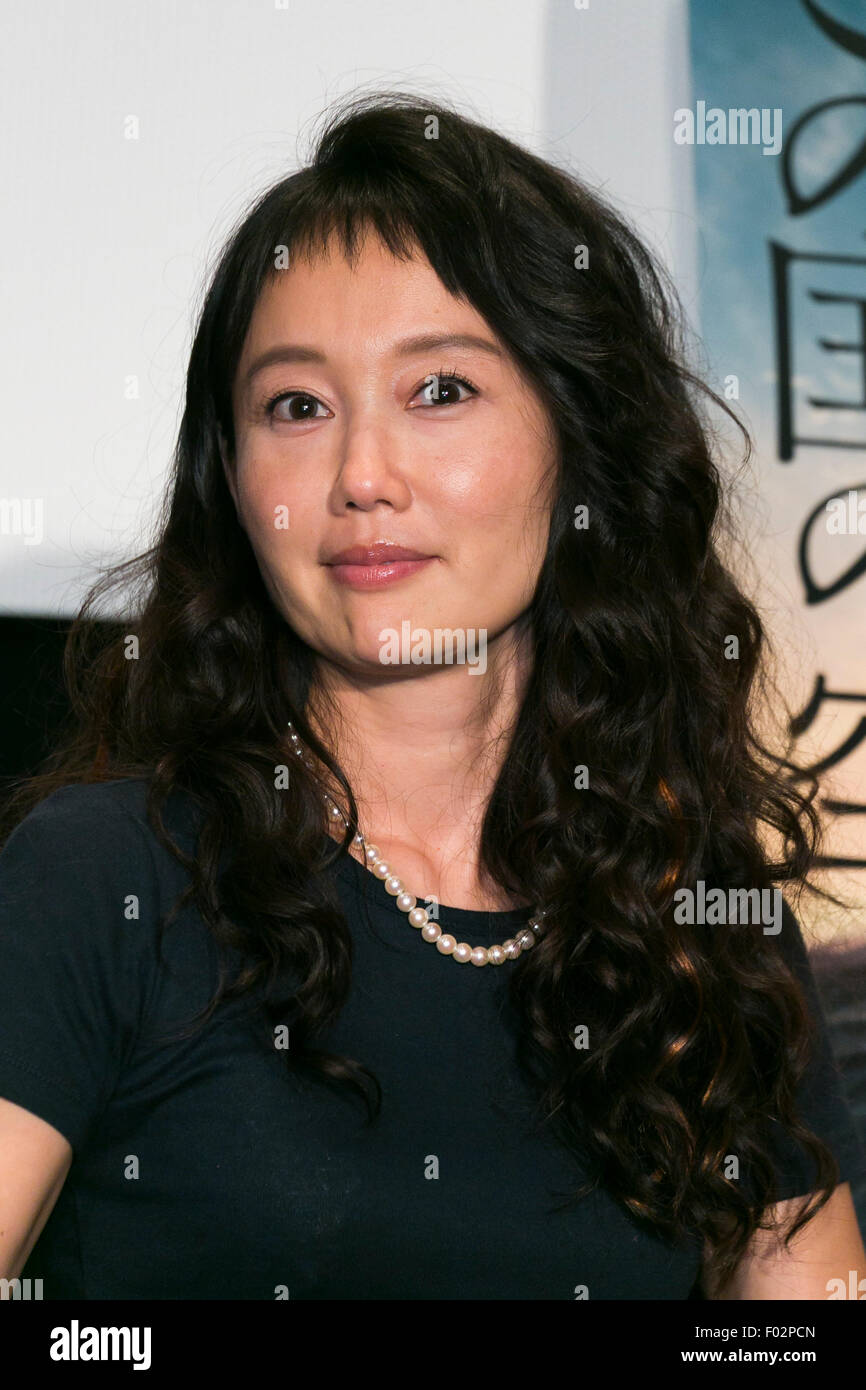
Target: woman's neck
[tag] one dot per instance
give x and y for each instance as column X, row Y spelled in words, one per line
column 422, row 755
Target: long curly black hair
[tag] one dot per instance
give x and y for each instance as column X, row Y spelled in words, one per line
column 699, row 1037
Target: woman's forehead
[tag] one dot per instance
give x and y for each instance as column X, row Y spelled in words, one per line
column 378, row 305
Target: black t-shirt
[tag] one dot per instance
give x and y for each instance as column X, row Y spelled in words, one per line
column 202, row 1169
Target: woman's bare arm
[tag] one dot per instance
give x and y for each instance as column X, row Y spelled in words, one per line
column 828, row 1247
column 34, row 1161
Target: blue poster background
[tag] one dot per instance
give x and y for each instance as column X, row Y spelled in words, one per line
column 782, row 282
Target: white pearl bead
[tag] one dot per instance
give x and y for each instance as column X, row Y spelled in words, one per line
column 406, row 901
column 511, row 948
column 372, row 852
column 393, row 885
column 431, row 931
column 479, row 955
column 462, row 951
column 495, row 955
column 381, row 869
column 446, row 944
column 419, row 917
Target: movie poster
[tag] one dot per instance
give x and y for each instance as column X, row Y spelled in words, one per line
column 777, row 130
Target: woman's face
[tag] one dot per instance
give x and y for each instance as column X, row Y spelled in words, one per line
column 361, row 450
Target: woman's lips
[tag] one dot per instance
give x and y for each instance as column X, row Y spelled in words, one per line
column 376, row 576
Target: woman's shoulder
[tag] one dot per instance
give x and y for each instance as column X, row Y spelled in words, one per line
column 103, row 809
column 102, row 828
column 84, row 886
column 93, row 800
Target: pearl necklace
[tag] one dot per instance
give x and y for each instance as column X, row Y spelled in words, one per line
column 419, row 917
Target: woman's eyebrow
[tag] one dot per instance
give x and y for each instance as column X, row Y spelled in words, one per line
column 430, row 342
column 407, row 347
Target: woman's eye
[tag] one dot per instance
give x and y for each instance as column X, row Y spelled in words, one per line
column 441, row 389
column 299, row 406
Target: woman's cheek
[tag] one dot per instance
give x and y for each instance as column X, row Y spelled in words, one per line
column 269, row 512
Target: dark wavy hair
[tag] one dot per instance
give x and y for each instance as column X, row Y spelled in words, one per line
column 700, row 1037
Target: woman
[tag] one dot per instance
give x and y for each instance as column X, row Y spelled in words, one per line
column 340, row 950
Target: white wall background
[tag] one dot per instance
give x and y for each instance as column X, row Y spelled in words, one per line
column 106, row 240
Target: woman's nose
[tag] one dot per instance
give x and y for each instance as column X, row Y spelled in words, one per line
column 371, row 465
